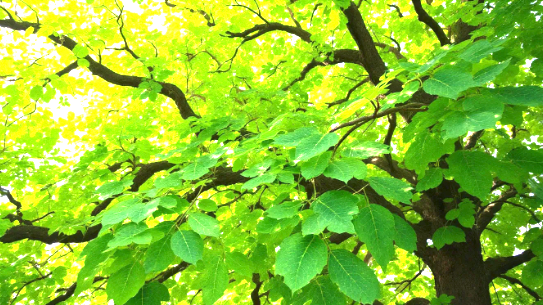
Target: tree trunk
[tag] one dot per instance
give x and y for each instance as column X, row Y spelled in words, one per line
column 459, row 271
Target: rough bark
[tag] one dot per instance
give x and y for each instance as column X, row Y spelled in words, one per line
column 459, row 271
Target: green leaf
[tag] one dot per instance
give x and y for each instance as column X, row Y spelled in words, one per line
column 158, row 256
column 489, row 73
column 132, row 208
column 315, row 145
column 405, row 236
column 240, row 263
column 168, row 202
column 204, row 224
column 198, row 168
column 207, row 205
column 125, row 283
column 532, row 273
column 322, row 291
column 270, row 225
column 363, row 150
column 480, row 112
column 36, row 92
column 299, row 259
column 83, row 63
column 95, row 255
column 392, row 188
column 287, row 178
column 80, row 51
column 215, row 279
column 152, row 293
column 315, row 166
column 448, row 82
column 426, row 148
column 131, row 233
column 335, row 210
column 284, row 210
column 537, row 247
column 314, row 225
column 294, row 138
column 353, row 276
column 266, row 178
column 188, row 245
column 524, row 96
column 466, row 215
column 111, row 188
column 472, row 170
column 170, row 181
column 529, row 160
column 448, row 235
column 345, row 169
column 478, row 51
column 431, row 179
column 375, row 226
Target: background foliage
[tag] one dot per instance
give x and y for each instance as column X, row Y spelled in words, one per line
column 259, row 152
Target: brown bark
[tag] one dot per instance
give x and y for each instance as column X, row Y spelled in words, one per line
column 459, row 271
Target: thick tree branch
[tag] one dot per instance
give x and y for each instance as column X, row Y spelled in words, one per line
column 429, row 21
column 98, row 69
column 22, row 232
column 372, row 61
column 495, row 266
column 486, row 215
column 261, row 29
column 513, row 281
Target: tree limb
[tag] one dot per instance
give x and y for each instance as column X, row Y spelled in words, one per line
column 372, row 61
column 487, row 214
column 69, row 292
column 429, row 21
column 364, row 119
column 495, row 266
column 98, row 69
column 513, row 281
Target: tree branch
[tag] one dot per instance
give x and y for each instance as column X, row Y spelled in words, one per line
column 495, row 266
column 261, row 29
column 97, row 69
column 69, row 292
column 488, row 213
column 348, row 96
column 429, row 21
column 334, row 58
column 22, row 232
column 513, row 281
column 365, row 119
column 372, row 61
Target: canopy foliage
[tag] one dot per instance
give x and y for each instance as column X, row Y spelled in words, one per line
column 282, row 152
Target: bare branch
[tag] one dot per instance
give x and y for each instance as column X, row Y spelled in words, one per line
column 293, row 18
column 429, row 21
column 349, row 93
column 336, row 57
column 261, row 29
column 70, row 291
column 365, row 119
column 397, row 9
column 513, row 281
